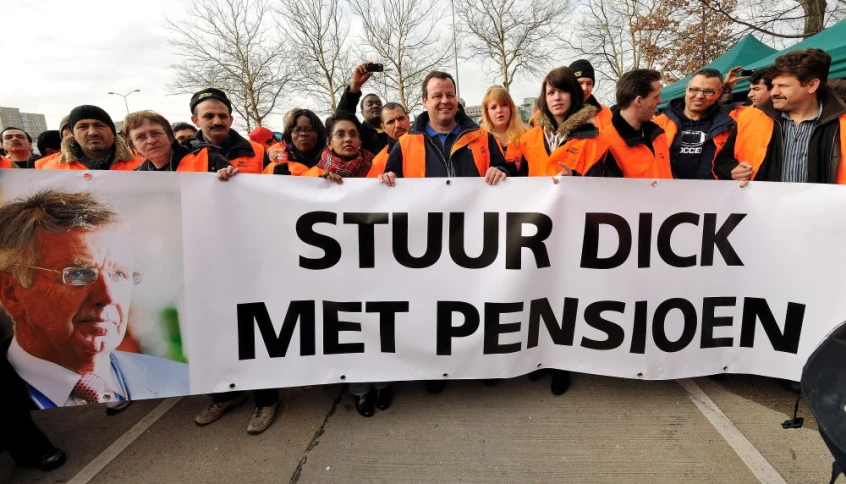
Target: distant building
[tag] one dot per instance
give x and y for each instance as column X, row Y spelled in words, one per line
column 34, row 124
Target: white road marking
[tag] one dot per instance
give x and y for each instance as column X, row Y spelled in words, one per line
column 101, row 461
column 747, row 452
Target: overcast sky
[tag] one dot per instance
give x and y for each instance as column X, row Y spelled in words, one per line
column 58, row 54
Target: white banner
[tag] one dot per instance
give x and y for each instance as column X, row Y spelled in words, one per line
column 293, row 281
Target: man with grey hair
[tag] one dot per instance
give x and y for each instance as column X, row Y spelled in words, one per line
column 697, row 126
column 66, row 277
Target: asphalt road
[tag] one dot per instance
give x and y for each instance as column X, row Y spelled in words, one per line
column 604, row 430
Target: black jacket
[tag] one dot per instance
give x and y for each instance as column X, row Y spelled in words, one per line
column 461, row 164
column 372, row 139
column 720, row 123
column 824, row 155
column 178, row 151
column 235, row 146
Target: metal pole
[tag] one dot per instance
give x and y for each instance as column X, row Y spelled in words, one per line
column 124, row 96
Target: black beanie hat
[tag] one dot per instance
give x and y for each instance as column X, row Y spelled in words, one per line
column 210, row 93
column 583, row 68
column 90, row 112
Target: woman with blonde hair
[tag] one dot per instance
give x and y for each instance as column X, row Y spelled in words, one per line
column 501, row 118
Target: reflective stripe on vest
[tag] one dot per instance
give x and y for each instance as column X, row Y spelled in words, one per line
column 379, row 162
column 579, row 154
column 639, row 161
column 413, row 147
column 195, row 162
column 671, row 129
column 754, row 133
column 250, row 164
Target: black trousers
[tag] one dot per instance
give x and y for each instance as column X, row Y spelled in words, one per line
column 263, row 398
column 18, row 433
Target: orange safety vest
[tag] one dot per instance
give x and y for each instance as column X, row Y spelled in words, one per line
column 639, row 161
column 735, row 113
column 512, row 153
column 278, row 156
column 6, row 162
column 579, row 154
column 39, row 163
column 754, row 133
column 670, row 129
column 123, row 165
column 379, row 163
column 251, row 164
column 603, row 117
column 413, row 146
column 197, row 162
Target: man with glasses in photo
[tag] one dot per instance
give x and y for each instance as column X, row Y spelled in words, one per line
column 697, row 126
column 66, row 278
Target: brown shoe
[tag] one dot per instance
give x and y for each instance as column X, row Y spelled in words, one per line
column 215, row 410
column 262, row 418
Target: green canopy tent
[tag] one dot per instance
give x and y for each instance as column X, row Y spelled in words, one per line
column 744, row 53
column 830, row 40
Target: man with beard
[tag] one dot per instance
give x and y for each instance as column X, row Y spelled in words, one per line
column 697, row 126
column 373, row 137
column 93, row 144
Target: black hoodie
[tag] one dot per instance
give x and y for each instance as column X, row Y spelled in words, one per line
column 692, row 150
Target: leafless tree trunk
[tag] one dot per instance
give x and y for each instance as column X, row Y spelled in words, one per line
column 793, row 19
column 402, row 35
column 317, row 31
column 226, row 44
column 511, row 37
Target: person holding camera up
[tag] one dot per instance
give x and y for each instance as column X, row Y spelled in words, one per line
column 373, row 137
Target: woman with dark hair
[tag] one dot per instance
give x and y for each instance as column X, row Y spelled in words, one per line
column 565, row 140
column 343, row 156
column 301, row 145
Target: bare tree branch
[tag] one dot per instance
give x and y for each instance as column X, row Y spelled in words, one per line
column 317, row 30
column 226, row 44
column 512, row 36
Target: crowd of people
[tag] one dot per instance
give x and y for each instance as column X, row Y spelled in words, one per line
column 792, row 128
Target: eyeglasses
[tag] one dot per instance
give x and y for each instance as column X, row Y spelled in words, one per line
column 344, row 134
column 705, row 92
column 84, row 276
column 299, row 131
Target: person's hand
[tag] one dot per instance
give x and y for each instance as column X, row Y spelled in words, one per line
column 565, row 170
column 334, row 178
column 360, row 76
column 494, row 175
column 742, row 173
column 227, row 173
column 733, row 76
column 388, row 178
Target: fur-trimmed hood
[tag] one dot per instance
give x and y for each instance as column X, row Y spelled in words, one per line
column 122, row 152
column 578, row 119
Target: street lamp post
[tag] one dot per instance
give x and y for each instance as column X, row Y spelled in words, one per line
column 124, row 96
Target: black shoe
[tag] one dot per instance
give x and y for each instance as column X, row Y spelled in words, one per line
column 52, row 459
column 537, row 375
column 560, row 382
column 384, row 398
column 364, row 404
column 491, row 382
column 435, row 386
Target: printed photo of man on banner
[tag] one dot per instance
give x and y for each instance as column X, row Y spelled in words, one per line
column 90, row 291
